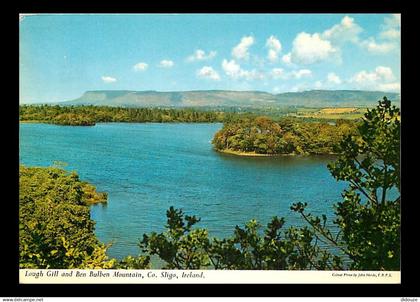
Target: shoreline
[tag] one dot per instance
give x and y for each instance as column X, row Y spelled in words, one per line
column 31, row 122
column 253, row 154
column 115, row 122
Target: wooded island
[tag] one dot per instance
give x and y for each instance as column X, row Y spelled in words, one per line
column 263, row 136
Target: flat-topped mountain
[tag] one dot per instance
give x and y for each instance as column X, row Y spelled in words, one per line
column 227, row 98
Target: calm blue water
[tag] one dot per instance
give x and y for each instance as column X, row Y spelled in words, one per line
column 146, row 168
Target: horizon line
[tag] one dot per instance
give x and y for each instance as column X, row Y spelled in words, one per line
column 205, row 90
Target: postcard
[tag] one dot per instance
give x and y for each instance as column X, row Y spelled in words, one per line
column 209, row 148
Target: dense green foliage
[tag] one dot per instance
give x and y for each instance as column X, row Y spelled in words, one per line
column 89, row 115
column 262, row 135
column 183, row 247
column 180, row 246
column 369, row 216
column 55, row 229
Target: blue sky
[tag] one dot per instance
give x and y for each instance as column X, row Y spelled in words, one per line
column 62, row 56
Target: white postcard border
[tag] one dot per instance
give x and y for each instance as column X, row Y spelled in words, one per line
column 104, row 276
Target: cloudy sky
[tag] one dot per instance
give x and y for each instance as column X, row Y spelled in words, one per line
column 62, row 56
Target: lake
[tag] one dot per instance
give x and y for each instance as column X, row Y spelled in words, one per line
column 146, row 168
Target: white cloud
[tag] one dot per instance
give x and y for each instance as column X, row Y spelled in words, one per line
column 200, row 55
column 312, row 48
column 309, row 49
column 166, row 64
column 252, row 75
column 363, row 77
column 287, row 58
column 278, row 73
column 393, row 21
column 240, row 51
column 108, row 79
column 390, row 34
column 333, row 78
column 317, row 47
column 209, row 73
column 231, row 68
column 378, row 48
column 257, row 61
column 301, row 73
column 395, row 87
column 382, row 78
column 274, row 48
column 385, row 73
column 272, row 55
column 318, row 84
column 234, row 71
column 392, row 29
column 141, row 66
column 346, row 30
column 389, row 37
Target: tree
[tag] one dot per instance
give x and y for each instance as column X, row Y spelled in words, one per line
column 368, row 218
column 181, row 247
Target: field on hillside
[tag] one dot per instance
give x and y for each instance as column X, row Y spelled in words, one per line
column 331, row 113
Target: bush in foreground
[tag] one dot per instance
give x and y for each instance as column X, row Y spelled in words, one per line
column 55, row 229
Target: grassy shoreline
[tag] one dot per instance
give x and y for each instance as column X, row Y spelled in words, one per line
column 31, row 122
column 251, row 154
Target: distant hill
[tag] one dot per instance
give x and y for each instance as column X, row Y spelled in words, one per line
column 336, row 98
column 226, row 98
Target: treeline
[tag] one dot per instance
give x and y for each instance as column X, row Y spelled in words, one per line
column 55, row 229
column 89, row 115
column 263, row 135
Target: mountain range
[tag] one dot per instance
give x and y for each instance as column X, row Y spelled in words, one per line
column 228, row 98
